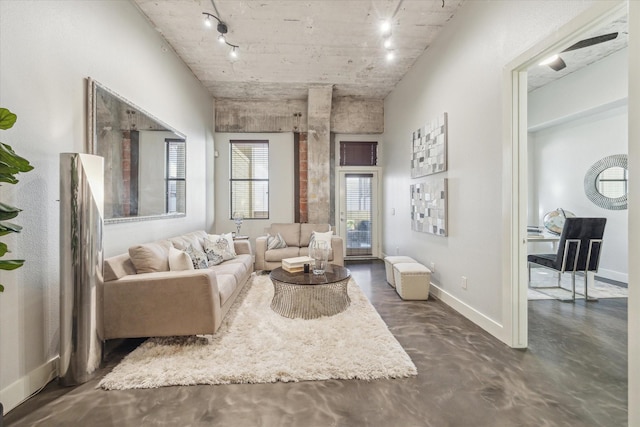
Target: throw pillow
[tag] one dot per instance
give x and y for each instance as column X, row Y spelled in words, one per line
column 198, row 258
column 179, row 260
column 228, row 236
column 324, row 237
column 275, row 242
column 218, row 248
column 150, row 257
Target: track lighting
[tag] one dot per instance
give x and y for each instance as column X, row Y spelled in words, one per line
column 223, row 29
column 385, row 27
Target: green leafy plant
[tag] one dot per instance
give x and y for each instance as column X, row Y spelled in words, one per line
column 10, row 165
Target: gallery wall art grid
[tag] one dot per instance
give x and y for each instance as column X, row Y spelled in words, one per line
column 429, row 207
column 429, row 148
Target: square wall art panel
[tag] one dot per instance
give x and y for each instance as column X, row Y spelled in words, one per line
column 429, row 153
column 429, row 207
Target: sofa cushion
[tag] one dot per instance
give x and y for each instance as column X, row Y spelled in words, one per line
column 117, row 267
column 276, row 255
column 290, row 233
column 150, row 257
column 194, row 238
column 306, row 229
column 275, row 242
column 230, row 247
column 227, row 284
column 179, row 260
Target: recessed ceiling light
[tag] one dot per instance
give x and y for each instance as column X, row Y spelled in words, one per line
column 387, row 43
column 390, row 56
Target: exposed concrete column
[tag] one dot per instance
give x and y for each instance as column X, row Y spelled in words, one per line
column 319, row 158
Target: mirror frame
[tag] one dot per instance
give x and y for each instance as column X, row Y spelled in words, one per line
column 591, row 182
column 92, row 143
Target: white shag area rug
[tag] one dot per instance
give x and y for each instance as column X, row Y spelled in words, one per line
column 256, row 345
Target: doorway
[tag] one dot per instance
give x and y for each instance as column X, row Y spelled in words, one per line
column 358, row 212
column 516, row 193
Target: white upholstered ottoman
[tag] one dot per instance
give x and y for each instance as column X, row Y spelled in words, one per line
column 389, row 261
column 412, row 280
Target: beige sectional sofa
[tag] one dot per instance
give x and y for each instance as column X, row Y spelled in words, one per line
column 167, row 303
column 297, row 237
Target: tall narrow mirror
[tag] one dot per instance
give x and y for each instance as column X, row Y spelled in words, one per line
column 144, row 159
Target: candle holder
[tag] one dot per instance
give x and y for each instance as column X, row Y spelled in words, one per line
column 238, row 217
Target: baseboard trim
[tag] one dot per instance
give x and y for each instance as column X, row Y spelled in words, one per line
column 613, row 275
column 486, row 323
column 16, row 393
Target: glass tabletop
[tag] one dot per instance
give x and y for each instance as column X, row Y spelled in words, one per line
column 332, row 274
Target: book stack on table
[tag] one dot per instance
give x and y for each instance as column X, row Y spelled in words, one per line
column 296, row 265
column 534, row 231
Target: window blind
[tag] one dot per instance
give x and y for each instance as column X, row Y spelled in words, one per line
column 249, row 182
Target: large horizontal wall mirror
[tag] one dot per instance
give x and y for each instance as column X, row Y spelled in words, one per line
column 144, row 159
column 606, row 182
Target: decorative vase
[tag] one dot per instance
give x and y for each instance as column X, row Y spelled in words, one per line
column 319, row 251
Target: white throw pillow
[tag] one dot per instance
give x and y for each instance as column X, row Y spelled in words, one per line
column 323, row 237
column 275, row 242
column 219, row 247
column 179, row 260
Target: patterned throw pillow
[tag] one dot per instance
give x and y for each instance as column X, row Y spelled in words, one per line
column 325, row 237
column 198, row 258
column 275, row 242
column 218, row 249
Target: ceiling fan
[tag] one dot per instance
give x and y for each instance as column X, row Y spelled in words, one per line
column 556, row 62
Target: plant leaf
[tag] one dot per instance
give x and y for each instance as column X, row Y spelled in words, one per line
column 7, row 118
column 1, row 288
column 9, row 157
column 8, row 212
column 3, row 249
column 8, row 179
column 11, row 264
column 8, row 227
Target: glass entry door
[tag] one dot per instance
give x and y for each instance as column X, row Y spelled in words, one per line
column 358, row 213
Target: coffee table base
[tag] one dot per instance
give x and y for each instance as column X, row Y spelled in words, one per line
column 310, row 301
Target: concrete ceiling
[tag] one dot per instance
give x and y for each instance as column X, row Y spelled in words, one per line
column 540, row 75
column 286, row 46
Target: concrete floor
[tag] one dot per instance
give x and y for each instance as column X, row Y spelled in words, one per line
column 573, row 374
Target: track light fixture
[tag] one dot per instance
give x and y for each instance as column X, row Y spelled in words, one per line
column 222, row 29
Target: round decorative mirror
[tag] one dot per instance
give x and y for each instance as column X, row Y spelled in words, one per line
column 605, row 183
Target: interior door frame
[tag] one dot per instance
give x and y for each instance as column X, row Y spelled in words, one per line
column 341, row 173
column 515, row 177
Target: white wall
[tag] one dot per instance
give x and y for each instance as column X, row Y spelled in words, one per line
column 281, row 184
column 461, row 74
column 47, row 50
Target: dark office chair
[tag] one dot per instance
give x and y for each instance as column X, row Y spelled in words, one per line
column 578, row 250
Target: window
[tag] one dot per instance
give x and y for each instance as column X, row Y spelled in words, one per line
column 358, row 153
column 175, row 175
column 249, row 183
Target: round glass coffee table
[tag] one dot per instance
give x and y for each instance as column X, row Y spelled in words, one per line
column 308, row 295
